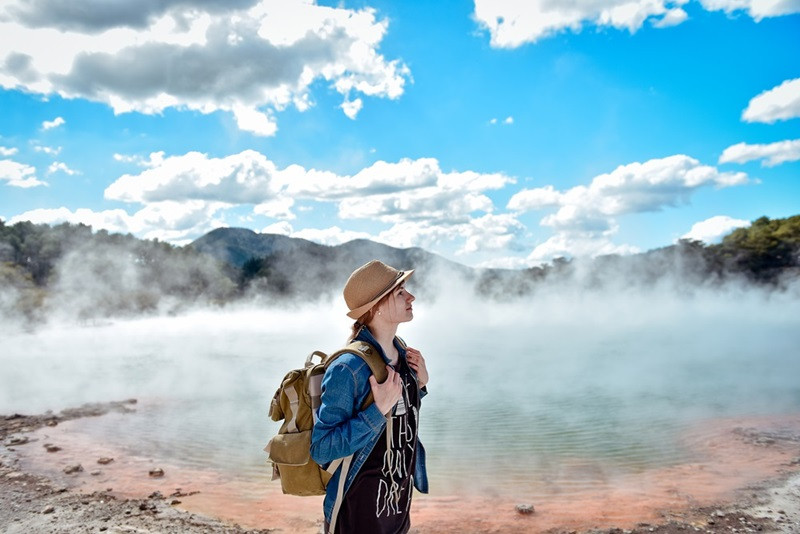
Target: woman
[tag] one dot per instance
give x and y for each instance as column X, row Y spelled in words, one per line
column 385, row 466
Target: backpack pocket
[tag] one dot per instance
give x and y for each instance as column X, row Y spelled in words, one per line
column 299, row 474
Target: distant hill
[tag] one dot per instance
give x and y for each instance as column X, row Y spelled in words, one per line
column 79, row 272
column 292, row 266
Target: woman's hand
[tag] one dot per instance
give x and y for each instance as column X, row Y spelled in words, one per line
column 417, row 363
column 388, row 393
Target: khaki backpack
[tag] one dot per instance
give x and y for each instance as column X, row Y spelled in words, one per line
column 296, row 402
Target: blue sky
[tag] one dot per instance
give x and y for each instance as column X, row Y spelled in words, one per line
column 496, row 133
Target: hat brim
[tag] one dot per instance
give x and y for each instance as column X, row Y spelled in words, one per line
column 361, row 310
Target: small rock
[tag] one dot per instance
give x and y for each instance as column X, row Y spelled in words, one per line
column 157, row 472
column 174, row 502
column 145, row 506
column 525, row 509
column 96, row 473
column 104, row 460
column 52, row 422
column 51, row 448
column 17, row 440
column 719, row 513
column 156, row 495
column 49, row 510
column 73, row 469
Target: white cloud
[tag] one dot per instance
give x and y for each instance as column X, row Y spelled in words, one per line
column 779, row 103
column 277, row 208
column 257, row 122
column 712, row 230
column 280, row 228
column 249, row 58
column 18, row 174
column 420, row 201
column 471, row 235
column 351, row 108
column 112, row 220
column 577, row 244
column 758, row 9
column 55, row 123
column 168, row 221
column 244, row 178
column 584, row 219
column 50, row 151
column 330, row 236
column 507, row 120
column 673, row 17
column 512, row 23
column 772, row 154
column 5, row 151
column 155, row 159
column 57, row 166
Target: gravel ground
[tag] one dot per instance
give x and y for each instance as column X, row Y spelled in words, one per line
column 34, row 504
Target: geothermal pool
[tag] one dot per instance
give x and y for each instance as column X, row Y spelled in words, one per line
column 550, row 399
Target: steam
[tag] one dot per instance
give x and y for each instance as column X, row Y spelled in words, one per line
column 588, row 364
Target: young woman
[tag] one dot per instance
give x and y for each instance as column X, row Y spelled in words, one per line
column 385, row 466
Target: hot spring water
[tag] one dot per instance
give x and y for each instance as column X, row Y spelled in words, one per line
column 552, row 395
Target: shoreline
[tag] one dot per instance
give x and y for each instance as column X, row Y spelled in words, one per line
column 32, row 502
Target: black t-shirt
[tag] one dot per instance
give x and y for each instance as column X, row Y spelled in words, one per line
column 379, row 499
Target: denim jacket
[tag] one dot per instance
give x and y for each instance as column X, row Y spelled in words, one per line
column 342, row 428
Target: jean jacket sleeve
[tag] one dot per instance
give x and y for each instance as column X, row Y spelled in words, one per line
column 342, row 428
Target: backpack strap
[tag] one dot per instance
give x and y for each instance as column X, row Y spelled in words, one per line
column 371, row 357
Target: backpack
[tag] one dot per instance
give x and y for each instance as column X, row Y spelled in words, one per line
column 296, row 402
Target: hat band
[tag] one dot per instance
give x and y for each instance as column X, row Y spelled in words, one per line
column 388, row 286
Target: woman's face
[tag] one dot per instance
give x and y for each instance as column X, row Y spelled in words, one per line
column 397, row 308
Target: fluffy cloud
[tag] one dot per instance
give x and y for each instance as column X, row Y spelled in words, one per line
column 244, row 178
column 176, row 222
column 416, row 198
column 55, row 123
column 18, row 174
column 94, row 16
column 714, row 229
column 5, row 151
column 758, row 9
column 512, row 23
column 330, row 236
column 60, row 166
column 250, row 59
column 779, row 103
column 577, row 244
column 584, row 219
column 772, row 154
column 50, row 151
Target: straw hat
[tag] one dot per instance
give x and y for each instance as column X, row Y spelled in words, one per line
column 370, row 283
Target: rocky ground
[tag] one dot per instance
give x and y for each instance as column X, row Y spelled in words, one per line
column 34, row 504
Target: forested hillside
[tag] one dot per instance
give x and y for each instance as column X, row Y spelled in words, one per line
column 71, row 269
column 74, row 270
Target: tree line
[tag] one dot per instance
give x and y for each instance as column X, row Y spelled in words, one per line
column 96, row 273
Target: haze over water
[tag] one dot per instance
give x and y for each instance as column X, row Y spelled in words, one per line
column 552, row 393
